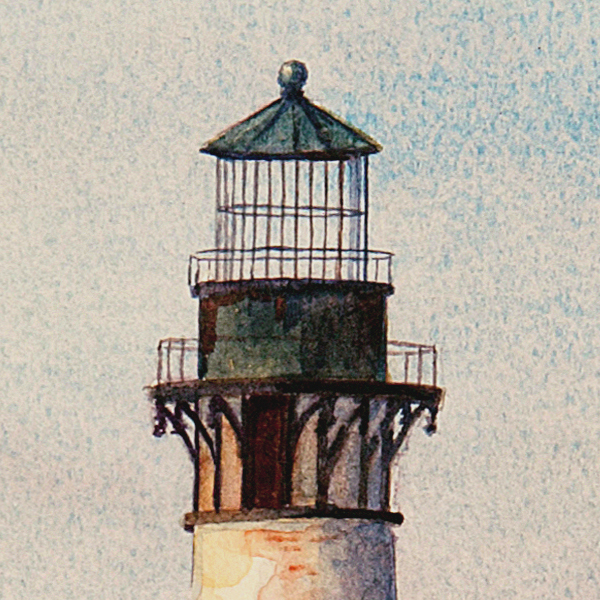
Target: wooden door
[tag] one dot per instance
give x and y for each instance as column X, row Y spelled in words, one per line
column 266, row 470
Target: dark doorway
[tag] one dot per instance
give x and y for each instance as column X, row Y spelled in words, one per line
column 266, row 469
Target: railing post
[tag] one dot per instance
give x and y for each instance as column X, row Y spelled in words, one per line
column 366, row 217
column 169, row 361
column 310, row 217
column 159, row 366
column 269, row 215
column 420, row 365
column 340, row 242
column 181, row 358
column 434, row 366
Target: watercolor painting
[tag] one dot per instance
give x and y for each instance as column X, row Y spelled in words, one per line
column 289, row 409
column 316, row 435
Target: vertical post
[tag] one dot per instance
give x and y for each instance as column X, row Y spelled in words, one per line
column 244, row 208
column 310, row 216
column 365, row 455
column 325, row 215
column 269, row 215
column 202, row 365
column 218, row 219
column 366, row 218
column 282, row 234
column 338, row 270
column 296, row 214
column 159, row 366
column 196, row 498
column 225, row 215
column 255, row 217
column 420, row 365
column 248, row 470
column 357, row 218
column 434, row 366
column 181, row 359
column 233, row 221
column 169, row 361
column 386, row 435
column 218, row 425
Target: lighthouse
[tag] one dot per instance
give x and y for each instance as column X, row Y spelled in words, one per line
column 292, row 402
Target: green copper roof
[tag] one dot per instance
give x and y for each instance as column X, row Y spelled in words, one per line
column 291, row 127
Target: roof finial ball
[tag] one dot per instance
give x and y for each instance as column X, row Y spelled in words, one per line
column 292, row 77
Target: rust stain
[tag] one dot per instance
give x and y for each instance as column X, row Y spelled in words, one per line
column 271, row 536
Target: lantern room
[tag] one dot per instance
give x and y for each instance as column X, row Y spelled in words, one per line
column 286, row 288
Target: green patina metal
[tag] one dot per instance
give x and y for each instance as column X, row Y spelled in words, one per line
column 309, row 330
column 292, row 127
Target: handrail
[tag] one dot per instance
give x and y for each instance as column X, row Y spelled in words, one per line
column 178, row 361
column 275, row 211
column 278, row 262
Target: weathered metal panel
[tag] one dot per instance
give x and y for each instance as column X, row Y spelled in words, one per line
column 330, row 330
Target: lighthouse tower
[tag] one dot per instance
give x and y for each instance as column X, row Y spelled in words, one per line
column 291, row 402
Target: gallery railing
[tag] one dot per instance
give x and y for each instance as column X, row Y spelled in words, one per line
column 318, row 264
column 407, row 362
column 412, row 363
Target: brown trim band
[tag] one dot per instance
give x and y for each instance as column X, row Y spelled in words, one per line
column 269, row 514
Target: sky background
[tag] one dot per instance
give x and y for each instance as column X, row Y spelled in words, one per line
column 487, row 191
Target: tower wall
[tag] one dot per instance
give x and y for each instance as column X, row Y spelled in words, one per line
column 294, row 328
column 294, row 559
column 275, row 440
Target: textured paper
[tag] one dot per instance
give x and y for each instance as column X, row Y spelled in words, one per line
column 487, row 191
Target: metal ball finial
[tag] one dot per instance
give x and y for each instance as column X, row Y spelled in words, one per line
column 292, row 77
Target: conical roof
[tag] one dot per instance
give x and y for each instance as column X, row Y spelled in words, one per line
column 291, row 127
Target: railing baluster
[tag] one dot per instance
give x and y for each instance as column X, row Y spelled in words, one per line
column 181, row 358
column 159, row 366
column 169, row 361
